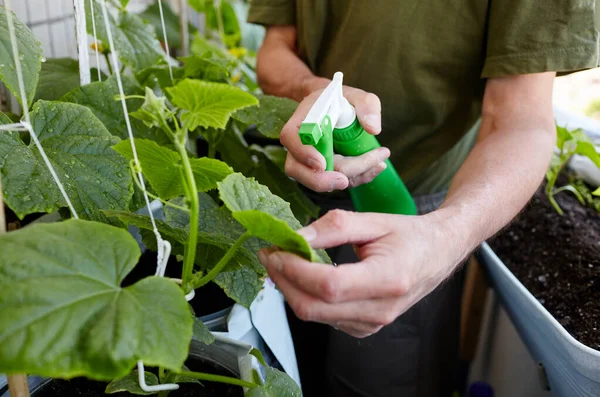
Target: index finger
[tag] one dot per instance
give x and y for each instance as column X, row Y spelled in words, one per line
column 356, row 281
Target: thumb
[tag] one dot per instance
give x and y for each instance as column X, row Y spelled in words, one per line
column 368, row 108
column 339, row 227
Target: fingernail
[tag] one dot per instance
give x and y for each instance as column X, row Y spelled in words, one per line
column 382, row 166
column 337, row 184
column 309, row 233
column 373, row 122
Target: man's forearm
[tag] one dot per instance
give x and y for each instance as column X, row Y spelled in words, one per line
column 280, row 71
column 506, row 165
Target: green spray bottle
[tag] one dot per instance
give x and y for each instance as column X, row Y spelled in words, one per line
column 331, row 126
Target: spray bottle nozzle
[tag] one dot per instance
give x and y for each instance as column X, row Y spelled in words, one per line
column 310, row 134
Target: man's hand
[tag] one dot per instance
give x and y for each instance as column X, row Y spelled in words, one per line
column 307, row 165
column 402, row 259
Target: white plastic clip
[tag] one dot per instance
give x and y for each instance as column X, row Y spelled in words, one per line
column 164, row 251
column 152, row 389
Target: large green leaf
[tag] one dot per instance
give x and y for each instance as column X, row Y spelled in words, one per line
column 59, row 76
column 64, row 313
column 270, row 116
column 100, row 98
column 161, row 166
column 265, row 215
column 78, row 145
column 276, row 231
column 240, row 193
column 30, row 55
column 206, row 104
column 135, row 40
column 278, row 384
column 241, row 285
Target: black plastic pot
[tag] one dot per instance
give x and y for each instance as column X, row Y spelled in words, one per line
column 218, row 358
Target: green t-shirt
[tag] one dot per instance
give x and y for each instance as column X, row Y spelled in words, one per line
column 428, row 61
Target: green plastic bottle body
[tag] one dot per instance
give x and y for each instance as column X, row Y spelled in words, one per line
column 384, row 194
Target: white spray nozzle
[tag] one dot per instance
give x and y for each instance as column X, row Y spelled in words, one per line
column 331, row 103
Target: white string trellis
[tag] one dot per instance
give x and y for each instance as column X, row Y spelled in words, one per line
column 164, row 247
column 26, row 125
column 164, row 29
column 161, row 244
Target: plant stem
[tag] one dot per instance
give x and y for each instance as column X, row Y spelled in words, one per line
column 218, row 378
column 192, row 195
column 110, row 68
column 212, row 150
column 223, row 262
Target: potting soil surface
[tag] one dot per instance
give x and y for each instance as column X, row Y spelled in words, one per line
column 558, row 259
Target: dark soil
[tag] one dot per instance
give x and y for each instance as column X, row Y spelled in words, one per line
column 557, row 258
column 81, row 387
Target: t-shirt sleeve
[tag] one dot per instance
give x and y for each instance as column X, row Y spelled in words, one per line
column 272, row 12
column 534, row 36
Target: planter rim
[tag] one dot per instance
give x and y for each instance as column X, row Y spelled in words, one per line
column 489, row 251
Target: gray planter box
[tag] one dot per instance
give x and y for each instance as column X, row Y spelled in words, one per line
column 572, row 368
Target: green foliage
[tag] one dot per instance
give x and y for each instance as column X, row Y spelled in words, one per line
column 241, row 285
column 270, row 116
column 130, row 383
column 207, row 104
column 59, row 76
column 65, row 313
column 569, row 143
column 30, row 55
column 278, row 384
column 208, row 68
column 99, row 97
column 135, row 40
column 198, row 5
column 260, row 164
column 84, row 323
column 152, row 16
column 79, row 146
column 162, row 167
column 265, row 215
column 224, row 20
column 201, row 332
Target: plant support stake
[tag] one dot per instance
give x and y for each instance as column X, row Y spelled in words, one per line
column 85, row 76
column 17, row 384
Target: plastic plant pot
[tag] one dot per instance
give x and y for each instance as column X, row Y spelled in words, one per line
column 224, row 357
column 572, row 368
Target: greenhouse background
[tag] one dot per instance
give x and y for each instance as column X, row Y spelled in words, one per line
column 53, row 23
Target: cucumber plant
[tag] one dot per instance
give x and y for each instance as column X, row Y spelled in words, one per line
column 570, row 143
column 65, row 310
